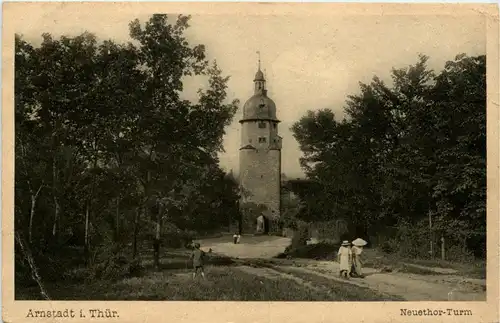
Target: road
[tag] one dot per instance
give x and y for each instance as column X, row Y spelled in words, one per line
column 412, row 287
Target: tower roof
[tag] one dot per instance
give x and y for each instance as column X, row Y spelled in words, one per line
column 259, row 76
column 259, row 106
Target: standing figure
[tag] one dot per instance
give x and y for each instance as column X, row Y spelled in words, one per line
column 238, row 238
column 235, row 238
column 344, row 258
column 357, row 249
column 198, row 260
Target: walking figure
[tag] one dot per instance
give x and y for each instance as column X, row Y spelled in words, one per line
column 345, row 258
column 198, row 260
column 357, row 264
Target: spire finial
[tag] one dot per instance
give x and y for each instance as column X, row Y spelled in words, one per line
column 258, row 55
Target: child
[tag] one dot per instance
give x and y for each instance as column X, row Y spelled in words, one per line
column 344, row 258
column 198, row 257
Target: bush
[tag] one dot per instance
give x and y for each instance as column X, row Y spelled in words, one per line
column 457, row 253
column 114, row 268
column 178, row 238
column 300, row 237
column 319, row 251
column 389, row 246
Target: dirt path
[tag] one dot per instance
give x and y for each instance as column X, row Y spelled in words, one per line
column 264, row 247
column 412, row 287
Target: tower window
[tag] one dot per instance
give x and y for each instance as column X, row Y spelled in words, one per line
column 262, row 139
column 274, row 125
column 262, row 125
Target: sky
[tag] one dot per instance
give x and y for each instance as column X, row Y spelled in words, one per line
column 310, row 62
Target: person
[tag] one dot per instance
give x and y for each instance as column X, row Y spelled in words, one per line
column 198, row 259
column 357, row 249
column 238, row 238
column 235, row 238
column 344, row 258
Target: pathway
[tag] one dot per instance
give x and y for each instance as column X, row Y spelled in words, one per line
column 412, row 287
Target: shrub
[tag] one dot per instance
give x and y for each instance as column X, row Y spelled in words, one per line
column 114, row 268
column 459, row 254
column 300, row 237
column 389, row 246
column 177, row 238
column 322, row 250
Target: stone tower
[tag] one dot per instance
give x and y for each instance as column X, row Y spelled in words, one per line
column 260, row 153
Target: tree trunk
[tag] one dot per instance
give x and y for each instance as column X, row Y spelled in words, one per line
column 117, row 220
column 31, row 262
column 86, row 249
column 55, row 226
column 32, row 212
column 156, row 243
column 88, row 214
column 136, row 232
column 55, row 190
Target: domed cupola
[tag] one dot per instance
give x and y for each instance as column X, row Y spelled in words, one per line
column 259, row 106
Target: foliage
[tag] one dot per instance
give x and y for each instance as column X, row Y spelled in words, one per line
column 301, row 235
column 318, row 251
column 403, row 153
column 107, row 152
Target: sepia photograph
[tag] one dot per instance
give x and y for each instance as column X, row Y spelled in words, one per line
column 183, row 156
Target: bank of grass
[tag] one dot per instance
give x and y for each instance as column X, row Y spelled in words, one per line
column 374, row 258
column 343, row 291
column 222, row 284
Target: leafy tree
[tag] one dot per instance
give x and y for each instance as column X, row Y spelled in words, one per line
column 405, row 152
column 106, row 147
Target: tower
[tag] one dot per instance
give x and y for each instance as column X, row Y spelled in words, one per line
column 260, row 153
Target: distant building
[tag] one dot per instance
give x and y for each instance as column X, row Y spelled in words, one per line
column 260, row 156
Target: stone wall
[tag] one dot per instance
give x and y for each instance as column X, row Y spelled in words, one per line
column 260, row 178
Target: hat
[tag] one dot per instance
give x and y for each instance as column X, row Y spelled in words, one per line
column 359, row 242
column 345, row 243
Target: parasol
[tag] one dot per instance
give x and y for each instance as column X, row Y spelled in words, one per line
column 359, row 242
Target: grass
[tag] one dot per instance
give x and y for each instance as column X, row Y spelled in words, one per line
column 223, row 283
column 374, row 258
column 343, row 292
column 173, row 281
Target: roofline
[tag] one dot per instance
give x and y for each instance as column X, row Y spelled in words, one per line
column 250, row 147
column 259, row 119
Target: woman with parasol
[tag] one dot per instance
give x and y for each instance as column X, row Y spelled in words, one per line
column 357, row 249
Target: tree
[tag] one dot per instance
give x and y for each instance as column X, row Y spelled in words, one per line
column 105, row 145
column 404, row 152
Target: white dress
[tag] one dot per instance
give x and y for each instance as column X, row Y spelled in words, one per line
column 356, row 259
column 345, row 258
